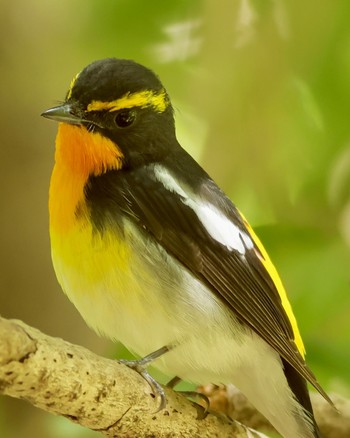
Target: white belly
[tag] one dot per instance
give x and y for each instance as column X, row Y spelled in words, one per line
column 144, row 299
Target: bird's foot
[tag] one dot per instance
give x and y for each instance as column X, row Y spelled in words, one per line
column 140, row 366
column 202, row 411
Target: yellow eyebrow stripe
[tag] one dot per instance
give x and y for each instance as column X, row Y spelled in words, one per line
column 73, row 81
column 142, row 99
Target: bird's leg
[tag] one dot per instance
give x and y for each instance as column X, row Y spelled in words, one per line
column 140, row 366
column 173, row 382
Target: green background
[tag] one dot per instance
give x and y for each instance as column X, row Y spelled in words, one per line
column 262, row 96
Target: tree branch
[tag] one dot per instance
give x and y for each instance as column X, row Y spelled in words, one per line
column 333, row 423
column 105, row 396
column 95, row 392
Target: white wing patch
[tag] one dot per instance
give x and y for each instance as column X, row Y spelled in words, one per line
column 168, row 181
column 218, row 226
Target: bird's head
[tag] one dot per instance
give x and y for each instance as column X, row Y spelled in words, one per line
column 114, row 108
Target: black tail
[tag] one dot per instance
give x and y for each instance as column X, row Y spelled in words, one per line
column 301, row 393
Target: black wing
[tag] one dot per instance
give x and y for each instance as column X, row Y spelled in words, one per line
column 241, row 281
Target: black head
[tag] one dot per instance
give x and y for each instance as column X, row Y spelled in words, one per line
column 125, row 102
column 110, row 79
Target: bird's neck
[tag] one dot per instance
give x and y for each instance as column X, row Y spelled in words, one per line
column 86, row 153
column 79, row 154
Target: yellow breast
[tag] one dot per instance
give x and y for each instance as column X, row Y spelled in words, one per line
column 90, row 268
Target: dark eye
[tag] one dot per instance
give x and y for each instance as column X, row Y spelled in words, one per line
column 125, row 118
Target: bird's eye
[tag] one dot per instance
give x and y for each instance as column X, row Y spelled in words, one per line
column 125, row 118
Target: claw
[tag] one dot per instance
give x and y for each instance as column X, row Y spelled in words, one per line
column 156, row 388
column 201, row 410
column 140, row 366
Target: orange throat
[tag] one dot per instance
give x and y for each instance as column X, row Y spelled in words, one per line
column 79, row 154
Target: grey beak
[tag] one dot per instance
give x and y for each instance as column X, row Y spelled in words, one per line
column 62, row 113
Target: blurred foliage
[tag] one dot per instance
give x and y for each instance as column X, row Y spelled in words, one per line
column 262, row 97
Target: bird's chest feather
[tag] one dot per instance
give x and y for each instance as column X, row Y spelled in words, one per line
column 102, row 273
column 112, row 283
column 108, row 276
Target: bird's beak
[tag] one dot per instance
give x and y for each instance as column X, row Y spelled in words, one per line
column 63, row 113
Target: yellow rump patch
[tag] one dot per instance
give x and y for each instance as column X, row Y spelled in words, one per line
column 279, row 286
column 142, row 99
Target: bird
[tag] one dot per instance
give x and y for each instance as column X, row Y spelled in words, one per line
column 155, row 255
